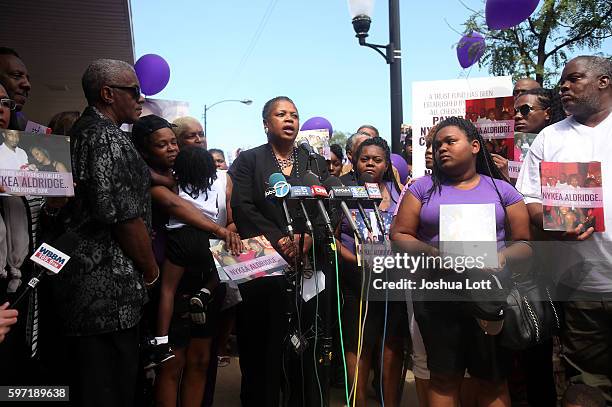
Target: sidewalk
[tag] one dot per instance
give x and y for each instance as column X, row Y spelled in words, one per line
column 227, row 393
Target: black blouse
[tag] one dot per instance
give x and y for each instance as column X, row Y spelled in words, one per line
column 253, row 213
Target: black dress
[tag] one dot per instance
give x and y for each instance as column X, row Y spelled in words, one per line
column 261, row 320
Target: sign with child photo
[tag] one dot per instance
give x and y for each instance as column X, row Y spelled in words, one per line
column 572, row 195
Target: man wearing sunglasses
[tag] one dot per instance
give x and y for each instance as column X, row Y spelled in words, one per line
column 99, row 298
column 16, row 80
column 583, row 268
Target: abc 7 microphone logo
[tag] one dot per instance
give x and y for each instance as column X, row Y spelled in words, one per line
column 278, row 190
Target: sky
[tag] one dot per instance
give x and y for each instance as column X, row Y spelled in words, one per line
column 307, row 50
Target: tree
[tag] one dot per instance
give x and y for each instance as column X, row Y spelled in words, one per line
column 339, row 137
column 539, row 45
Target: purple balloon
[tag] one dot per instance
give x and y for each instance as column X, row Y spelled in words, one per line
column 401, row 166
column 502, row 14
column 316, row 123
column 470, row 49
column 153, row 73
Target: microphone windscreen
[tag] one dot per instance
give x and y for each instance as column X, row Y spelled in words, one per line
column 310, row 179
column 365, row 177
column 332, row 181
column 276, row 177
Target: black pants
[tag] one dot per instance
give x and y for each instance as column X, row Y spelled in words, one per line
column 102, row 369
column 261, row 327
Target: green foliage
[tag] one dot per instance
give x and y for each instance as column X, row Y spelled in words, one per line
column 539, row 46
column 339, row 137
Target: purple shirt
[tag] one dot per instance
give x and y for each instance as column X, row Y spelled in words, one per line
column 483, row 193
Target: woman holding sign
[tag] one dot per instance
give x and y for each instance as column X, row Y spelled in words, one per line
column 261, row 320
column 459, row 333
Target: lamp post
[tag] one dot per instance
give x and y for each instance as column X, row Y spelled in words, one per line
column 361, row 10
column 208, row 107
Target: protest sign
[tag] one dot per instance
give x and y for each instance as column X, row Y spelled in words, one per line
column 259, row 260
column 434, row 101
column 318, row 139
column 572, row 195
column 32, row 164
column 494, row 121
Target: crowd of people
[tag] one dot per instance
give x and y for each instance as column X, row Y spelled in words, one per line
column 139, row 315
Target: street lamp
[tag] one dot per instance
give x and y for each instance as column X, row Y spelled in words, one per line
column 208, row 107
column 361, row 10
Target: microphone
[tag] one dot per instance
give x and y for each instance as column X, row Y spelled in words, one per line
column 51, row 260
column 281, row 189
column 360, row 193
column 319, row 193
column 341, row 192
column 303, row 143
column 374, row 194
column 301, row 192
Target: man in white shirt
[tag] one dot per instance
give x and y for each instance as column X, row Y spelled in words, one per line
column 584, row 267
column 11, row 156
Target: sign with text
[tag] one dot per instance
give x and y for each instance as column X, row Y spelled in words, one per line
column 572, row 195
column 259, row 259
column 33, row 164
column 434, row 101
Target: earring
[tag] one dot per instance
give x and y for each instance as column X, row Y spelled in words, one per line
column 266, row 130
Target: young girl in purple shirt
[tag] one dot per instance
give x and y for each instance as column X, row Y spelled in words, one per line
column 456, row 335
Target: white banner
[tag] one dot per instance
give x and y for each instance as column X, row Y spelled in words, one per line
column 434, row 101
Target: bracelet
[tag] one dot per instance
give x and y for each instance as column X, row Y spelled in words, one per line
column 154, row 280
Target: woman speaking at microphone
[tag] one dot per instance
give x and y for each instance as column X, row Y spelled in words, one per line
column 373, row 160
column 261, row 318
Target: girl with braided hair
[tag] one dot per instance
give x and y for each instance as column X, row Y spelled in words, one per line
column 460, row 335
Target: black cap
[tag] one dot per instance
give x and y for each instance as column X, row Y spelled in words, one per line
column 148, row 124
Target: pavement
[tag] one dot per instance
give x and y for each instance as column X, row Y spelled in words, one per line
column 227, row 392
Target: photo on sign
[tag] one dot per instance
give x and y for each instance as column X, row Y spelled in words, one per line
column 522, row 144
column 259, row 259
column 572, row 195
column 318, row 139
column 35, row 164
column 494, row 120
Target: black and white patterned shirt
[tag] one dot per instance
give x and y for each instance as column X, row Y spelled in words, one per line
column 100, row 289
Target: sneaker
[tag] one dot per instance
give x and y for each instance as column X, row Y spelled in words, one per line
column 158, row 355
column 198, row 305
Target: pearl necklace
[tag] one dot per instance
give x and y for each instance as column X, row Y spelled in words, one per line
column 286, row 162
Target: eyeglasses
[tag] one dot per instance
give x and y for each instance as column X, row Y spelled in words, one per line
column 525, row 109
column 133, row 90
column 8, row 103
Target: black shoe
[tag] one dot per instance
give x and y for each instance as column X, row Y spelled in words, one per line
column 158, row 355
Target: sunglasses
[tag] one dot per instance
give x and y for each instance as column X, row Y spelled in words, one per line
column 133, row 90
column 524, row 110
column 8, row 103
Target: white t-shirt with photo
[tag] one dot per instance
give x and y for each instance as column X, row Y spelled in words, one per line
column 570, row 141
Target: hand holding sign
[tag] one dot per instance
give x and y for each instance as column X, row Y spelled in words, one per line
column 8, row 317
